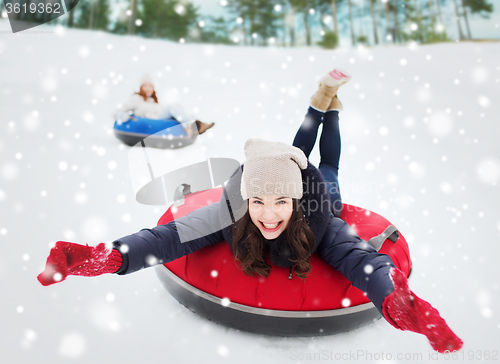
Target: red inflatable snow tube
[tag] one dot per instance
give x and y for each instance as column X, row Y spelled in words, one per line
column 210, row 283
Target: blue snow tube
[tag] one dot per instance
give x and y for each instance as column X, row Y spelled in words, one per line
column 158, row 133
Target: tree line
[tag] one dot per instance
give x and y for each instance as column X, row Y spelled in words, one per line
column 285, row 22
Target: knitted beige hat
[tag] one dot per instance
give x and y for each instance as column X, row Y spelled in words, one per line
column 272, row 168
column 146, row 78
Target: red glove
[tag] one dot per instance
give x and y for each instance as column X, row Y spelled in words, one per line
column 405, row 311
column 79, row 260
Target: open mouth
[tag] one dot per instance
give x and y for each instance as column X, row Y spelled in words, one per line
column 270, row 227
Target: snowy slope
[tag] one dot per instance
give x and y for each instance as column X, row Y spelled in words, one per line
column 419, row 131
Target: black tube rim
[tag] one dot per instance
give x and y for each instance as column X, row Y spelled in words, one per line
column 142, row 136
column 162, row 270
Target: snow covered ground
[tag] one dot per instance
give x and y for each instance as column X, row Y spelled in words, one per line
column 420, row 146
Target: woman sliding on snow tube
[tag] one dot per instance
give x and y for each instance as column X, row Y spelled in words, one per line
column 269, row 218
column 145, row 104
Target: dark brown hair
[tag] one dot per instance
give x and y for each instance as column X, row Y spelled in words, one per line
column 146, row 97
column 250, row 247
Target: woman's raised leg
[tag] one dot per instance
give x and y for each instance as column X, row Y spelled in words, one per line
column 308, row 131
column 324, row 109
column 329, row 149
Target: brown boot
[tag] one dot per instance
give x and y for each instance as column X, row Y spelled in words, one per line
column 323, row 97
column 203, row 127
column 326, row 97
column 335, row 104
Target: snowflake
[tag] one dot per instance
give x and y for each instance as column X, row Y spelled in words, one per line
column 488, row 171
column 222, row 350
column 151, row 260
column 480, row 75
column 483, row 101
column 72, row 345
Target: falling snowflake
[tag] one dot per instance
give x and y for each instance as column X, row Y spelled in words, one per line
column 346, row 302
column 30, row 336
column 88, row 117
column 222, row 350
column 483, row 101
column 9, row 171
column 84, row 51
column 57, row 276
column 112, row 165
column 72, row 346
column 446, row 187
column 81, row 198
column 417, row 170
column 151, row 260
column 392, row 178
column 488, row 171
column 440, row 124
column 424, row 94
column 180, row 9
column 480, row 75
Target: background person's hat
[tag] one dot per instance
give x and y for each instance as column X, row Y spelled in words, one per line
column 146, row 78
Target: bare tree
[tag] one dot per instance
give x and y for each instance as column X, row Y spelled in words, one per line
column 431, row 13
column 457, row 14
column 335, row 20
column 466, row 19
column 351, row 22
column 374, row 20
column 91, row 16
column 395, row 28
column 302, row 7
column 440, row 16
column 290, row 25
column 70, row 19
column 480, row 7
column 131, row 20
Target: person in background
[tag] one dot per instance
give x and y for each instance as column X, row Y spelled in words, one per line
column 145, row 104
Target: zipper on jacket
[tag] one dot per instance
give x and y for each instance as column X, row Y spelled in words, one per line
column 290, row 276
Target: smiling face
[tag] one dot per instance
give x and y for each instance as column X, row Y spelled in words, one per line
column 148, row 89
column 270, row 214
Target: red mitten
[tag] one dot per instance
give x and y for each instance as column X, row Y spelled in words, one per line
column 405, row 311
column 79, row 260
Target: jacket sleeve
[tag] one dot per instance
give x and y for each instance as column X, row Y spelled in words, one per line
column 131, row 103
column 358, row 261
column 165, row 243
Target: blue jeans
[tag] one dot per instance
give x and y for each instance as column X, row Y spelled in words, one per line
column 329, row 148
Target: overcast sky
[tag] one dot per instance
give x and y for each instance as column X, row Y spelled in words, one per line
column 480, row 28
